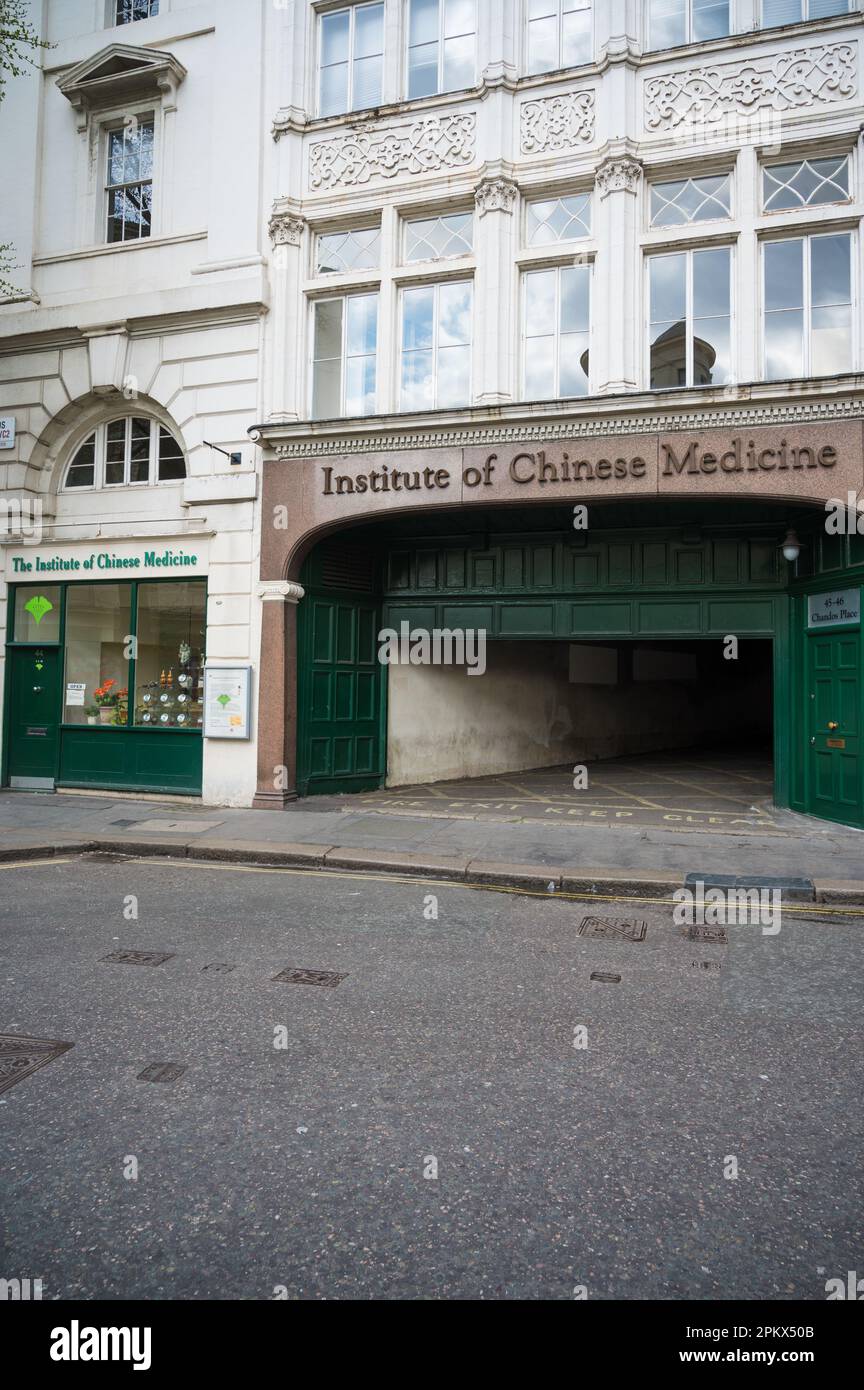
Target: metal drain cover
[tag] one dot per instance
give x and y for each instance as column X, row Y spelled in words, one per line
column 20, row 1055
column 138, row 957
column 294, row 976
column 715, row 934
column 218, row 967
column 125, row 823
column 161, row 1071
column 613, row 928
column 605, row 978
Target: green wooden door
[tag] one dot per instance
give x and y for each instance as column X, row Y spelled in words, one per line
column 834, row 698
column 340, row 723
column 33, row 725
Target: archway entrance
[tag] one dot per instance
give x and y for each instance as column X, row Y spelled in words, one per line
column 630, row 639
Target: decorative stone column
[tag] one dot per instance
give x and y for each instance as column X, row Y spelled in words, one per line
column 617, row 310
column 285, row 375
column 277, row 696
column 495, row 356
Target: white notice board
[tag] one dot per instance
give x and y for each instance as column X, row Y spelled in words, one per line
column 227, row 701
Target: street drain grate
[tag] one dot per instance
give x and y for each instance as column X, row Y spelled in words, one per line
column 125, row 824
column 293, row 976
column 705, row 965
column 605, row 978
column 138, row 957
column 20, row 1055
column 161, row 1071
column 715, row 934
column 613, row 928
column 218, row 967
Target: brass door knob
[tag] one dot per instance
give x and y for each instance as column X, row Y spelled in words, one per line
column 832, row 724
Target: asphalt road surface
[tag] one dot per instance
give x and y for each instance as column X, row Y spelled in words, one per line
column 466, row 1114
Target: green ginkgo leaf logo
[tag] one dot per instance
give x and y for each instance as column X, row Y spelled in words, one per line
column 38, row 606
column 223, row 700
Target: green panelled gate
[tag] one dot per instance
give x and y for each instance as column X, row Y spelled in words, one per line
column 720, row 577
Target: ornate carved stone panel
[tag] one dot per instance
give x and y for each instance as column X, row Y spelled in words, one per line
column 787, row 81
column 557, row 123
column 423, row 147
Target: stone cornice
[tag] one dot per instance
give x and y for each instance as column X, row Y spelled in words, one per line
column 733, row 408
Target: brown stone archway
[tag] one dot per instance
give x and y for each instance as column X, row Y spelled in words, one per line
column 306, row 498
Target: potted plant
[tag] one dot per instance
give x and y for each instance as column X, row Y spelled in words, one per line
column 92, row 713
column 106, row 697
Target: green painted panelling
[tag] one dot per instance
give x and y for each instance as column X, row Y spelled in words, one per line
column 667, row 618
column 654, row 563
column 586, row 570
column 617, row 562
column 543, row 566
column 469, row 615
column 739, row 617
column 455, row 569
column 322, row 630
column 726, row 561
column 526, row 619
column 485, row 571
column 397, row 613
column 427, row 569
column 129, row 760
column 621, row 560
column 514, row 567
column 399, row 569
column 689, row 568
column 764, row 562
column 607, row 619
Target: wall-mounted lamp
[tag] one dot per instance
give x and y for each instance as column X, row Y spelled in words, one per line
column 791, row 546
column 235, row 458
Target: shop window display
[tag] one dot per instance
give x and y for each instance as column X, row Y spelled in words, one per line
column 97, row 654
column 169, row 667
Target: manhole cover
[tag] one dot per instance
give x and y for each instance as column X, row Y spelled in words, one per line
column 613, row 928
column 217, row 968
column 138, row 957
column 20, row 1055
column 161, row 1071
column 293, row 976
column 605, row 978
column 715, row 934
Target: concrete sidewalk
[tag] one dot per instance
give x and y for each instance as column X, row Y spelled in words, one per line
column 811, row 860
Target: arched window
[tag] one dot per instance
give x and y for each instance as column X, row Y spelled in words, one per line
column 131, row 451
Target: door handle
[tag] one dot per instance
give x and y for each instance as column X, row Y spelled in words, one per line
column 832, row 724
column 813, row 740
column 37, row 689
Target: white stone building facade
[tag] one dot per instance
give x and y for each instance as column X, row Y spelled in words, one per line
column 401, row 228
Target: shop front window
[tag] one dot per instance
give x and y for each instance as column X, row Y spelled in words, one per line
column 98, row 648
column 169, row 666
column 37, row 613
